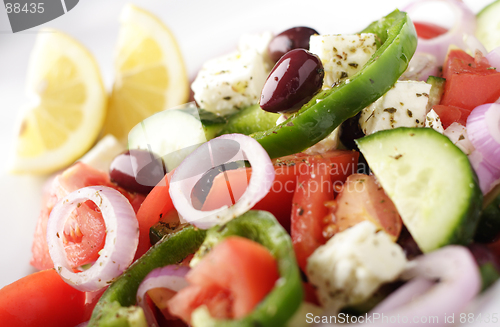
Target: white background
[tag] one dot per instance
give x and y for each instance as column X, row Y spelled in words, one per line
column 203, row 28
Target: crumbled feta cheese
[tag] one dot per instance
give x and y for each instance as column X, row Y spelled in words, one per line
column 331, row 142
column 432, row 120
column 405, row 104
column 229, row 83
column 259, row 43
column 353, row 264
column 342, row 55
column 457, row 133
column 103, row 153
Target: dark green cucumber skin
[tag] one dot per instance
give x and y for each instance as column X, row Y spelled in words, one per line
column 466, row 225
column 212, row 124
column 250, row 120
column 488, row 229
column 437, row 90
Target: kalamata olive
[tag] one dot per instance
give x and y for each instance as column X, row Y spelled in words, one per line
column 350, row 131
column 295, row 78
column 202, row 187
column 408, row 244
column 293, row 38
column 137, row 170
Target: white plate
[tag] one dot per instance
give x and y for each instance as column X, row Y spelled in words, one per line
column 204, row 29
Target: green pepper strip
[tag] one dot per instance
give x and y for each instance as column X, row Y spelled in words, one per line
column 286, row 296
column 111, row 310
column 327, row 110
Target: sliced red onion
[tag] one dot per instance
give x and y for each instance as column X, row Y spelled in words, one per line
column 122, row 237
column 172, row 277
column 457, row 133
column 421, row 66
column 483, row 128
column 488, row 175
column 443, row 282
column 457, row 279
column 216, row 152
column 405, row 294
column 460, row 34
column 494, row 58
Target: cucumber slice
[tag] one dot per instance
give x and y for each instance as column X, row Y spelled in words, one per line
column 437, row 90
column 430, row 182
column 488, row 25
column 172, row 134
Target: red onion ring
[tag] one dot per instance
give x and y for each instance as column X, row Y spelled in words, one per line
column 483, row 129
column 452, row 278
column 488, row 175
column 404, row 295
column 460, row 34
column 122, row 237
column 216, row 152
column 493, row 58
column 459, row 281
column 421, row 66
column 172, row 277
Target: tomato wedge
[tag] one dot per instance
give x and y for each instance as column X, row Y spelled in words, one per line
column 157, row 205
column 42, row 299
column 362, row 198
column 314, row 190
column 230, row 280
column 470, row 82
column 428, row 30
column 228, row 187
column 85, row 230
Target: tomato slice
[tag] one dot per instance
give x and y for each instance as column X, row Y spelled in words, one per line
column 157, row 205
column 230, row 280
column 362, row 198
column 428, row 30
column 314, row 189
column 470, row 81
column 287, row 169
column 42, row 299
column 85, row 230
column 451, row 114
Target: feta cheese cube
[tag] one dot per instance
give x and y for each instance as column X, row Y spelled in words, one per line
column 229, row 83
column 259, row 43
column 342, row 55
column 457, row 133
column 331, row 142
column 353, row 264
column 405, row 104
column 432, row 120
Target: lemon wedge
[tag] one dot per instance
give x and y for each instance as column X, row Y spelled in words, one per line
column 150, row 74
column 68, row 108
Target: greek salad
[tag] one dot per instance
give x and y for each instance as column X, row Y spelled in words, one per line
column 314, row 178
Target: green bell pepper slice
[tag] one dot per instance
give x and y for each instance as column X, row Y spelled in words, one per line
column 329, row 108
column 116, row 306
column 286, row 296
